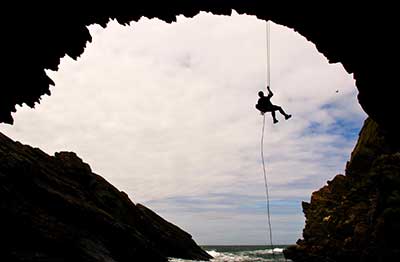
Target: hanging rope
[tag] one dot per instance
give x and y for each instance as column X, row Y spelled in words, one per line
column 262, row 143
column 267, row 40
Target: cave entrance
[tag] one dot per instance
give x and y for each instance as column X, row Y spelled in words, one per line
column 166, row 113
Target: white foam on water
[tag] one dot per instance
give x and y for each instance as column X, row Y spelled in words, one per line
column 237, row 257
column 228, row 257
column 213, row 253
column 264, row 251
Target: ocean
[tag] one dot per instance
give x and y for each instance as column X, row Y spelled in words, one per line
column 242, row 254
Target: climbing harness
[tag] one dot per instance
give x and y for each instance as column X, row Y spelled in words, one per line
column 268, row 69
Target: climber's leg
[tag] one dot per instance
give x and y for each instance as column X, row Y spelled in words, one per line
column 282, row 112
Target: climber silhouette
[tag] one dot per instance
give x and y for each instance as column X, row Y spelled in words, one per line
column 264, row 105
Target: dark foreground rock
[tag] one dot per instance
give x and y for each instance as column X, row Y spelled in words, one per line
column 356, row 217
column 53, row 208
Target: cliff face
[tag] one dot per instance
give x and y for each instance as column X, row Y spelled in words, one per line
column 356, row 217
column 53, row 208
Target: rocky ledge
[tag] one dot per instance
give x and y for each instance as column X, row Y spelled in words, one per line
column 54, row 208
column 356, row 217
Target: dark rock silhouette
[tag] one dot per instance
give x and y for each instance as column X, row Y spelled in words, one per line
column 56, row 209
column 356, row 216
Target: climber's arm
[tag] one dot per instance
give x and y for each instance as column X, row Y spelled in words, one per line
column 270, row 94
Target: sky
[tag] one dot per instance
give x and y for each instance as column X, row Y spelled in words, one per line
column 165, row 112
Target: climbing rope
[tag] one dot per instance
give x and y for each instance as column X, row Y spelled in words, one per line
column 268, row 43
column 262, row 142
column 266, row 187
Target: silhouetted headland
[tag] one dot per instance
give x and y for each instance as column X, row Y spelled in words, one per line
column 355, row 217
column 54, row 208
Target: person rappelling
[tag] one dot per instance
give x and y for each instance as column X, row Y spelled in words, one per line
column 264, row 105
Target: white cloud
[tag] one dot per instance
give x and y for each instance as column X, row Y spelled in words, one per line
column 166, row 111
